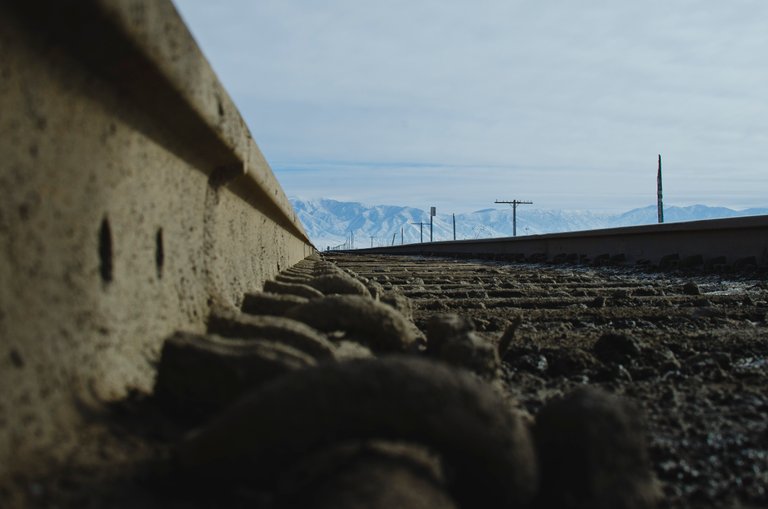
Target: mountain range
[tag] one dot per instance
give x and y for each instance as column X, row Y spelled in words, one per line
column 331, row 223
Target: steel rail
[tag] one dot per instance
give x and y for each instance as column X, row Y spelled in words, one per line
column 740, row 241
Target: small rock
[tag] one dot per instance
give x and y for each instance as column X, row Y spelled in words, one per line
column 571, row 361
column 530, row 362
column 200, row 374
column 691, row 288
column 473, row 354
column 264, row 303
column 486, row 445
column 443, row 327
column 618, row 374
column 592, row 453
column 400, row 302
column 661, row 358
column 705, row 365
column 347, row 350
column 617, row 348
column 339, row 284
column 451, row 338
column 598, row 302
column 375, row 288
column 370, row 322
column 282, row 330
column 290, row 278
column 301, row 290
column 435, row 305
column 298, row 272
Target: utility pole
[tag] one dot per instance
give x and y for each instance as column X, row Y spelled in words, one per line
column 659, row 197
column 372, row 237
column 432, row 213
column 402, row 235
column 514, row 204
column 421, row 230
column 454, row 226
column 394, row 236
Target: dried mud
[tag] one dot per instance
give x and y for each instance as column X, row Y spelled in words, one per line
column 690, row 350
column 668, row 369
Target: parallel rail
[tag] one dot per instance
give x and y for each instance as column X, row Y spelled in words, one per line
column 135, row 200
column 136, row 203
column 734, row 241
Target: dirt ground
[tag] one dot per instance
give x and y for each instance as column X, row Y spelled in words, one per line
column 690, row 350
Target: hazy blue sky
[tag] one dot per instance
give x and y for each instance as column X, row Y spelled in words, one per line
column 456, row 103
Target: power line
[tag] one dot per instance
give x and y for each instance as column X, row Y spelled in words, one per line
column 421, row 230
column 514, row 204
column 659, row 197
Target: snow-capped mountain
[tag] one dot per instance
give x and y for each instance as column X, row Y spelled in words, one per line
column 331, row 223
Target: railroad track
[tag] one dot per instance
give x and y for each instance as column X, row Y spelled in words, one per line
column 715, row 245
column 135, row 199
column 296, row 399
column 691, row 350
column 169, row 338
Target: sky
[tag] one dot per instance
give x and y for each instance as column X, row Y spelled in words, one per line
column 457, row 103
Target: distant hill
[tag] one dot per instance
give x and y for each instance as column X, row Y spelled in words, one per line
column 329, row 222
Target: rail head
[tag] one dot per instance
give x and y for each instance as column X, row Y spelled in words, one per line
column 737, row 240
column 705, row 225
column 145, row 50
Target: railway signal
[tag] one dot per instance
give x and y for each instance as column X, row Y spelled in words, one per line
column 432, row 213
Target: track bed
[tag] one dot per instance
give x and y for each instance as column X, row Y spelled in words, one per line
column 696, row 358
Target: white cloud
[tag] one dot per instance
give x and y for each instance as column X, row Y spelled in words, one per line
column 575, row 99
